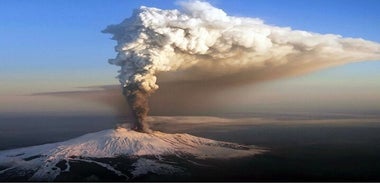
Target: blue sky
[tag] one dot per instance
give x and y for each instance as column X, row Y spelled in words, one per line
column 55, row 45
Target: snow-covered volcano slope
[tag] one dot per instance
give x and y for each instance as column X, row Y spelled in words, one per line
column 42, row 160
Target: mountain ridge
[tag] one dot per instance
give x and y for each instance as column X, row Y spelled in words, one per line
column 41, row 161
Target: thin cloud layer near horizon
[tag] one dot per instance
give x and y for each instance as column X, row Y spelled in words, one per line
column 41, row 54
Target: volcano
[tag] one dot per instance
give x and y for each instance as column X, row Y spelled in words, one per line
column 117, row 154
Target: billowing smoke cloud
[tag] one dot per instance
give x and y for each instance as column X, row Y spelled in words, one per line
column 201, row 42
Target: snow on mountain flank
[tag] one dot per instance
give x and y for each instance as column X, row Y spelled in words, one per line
column 42, row 160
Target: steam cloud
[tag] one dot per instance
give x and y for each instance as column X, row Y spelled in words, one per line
column 201, row 42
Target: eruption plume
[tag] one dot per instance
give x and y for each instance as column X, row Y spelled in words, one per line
column 201, row 42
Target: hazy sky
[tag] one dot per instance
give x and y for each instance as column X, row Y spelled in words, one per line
column 56, row 45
